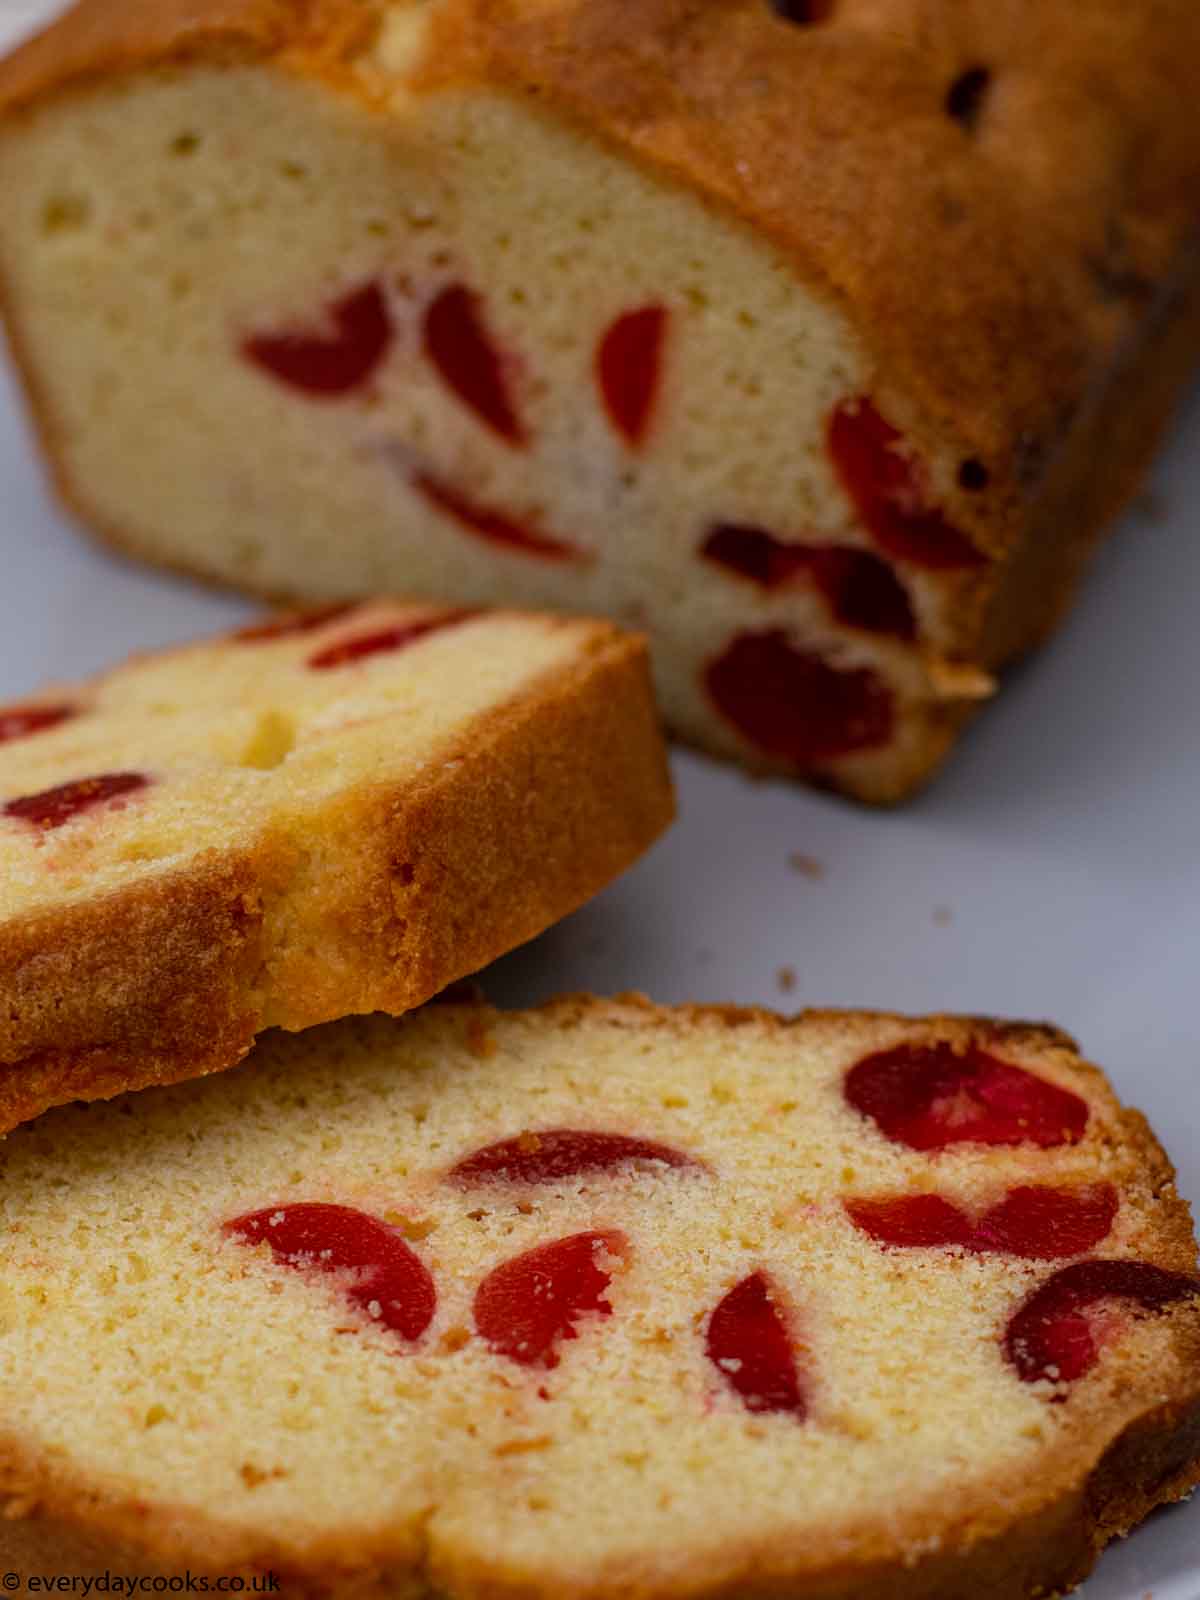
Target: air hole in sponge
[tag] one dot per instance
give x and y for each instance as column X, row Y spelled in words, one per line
column 66, row 213
column 966, row 95
column 272, row 741
column 973, row 475
column 185, row 144
column 803, row 11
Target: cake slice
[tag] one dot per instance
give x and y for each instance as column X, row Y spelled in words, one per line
column 820, row 338
column 600, row 1301
column 327, row 813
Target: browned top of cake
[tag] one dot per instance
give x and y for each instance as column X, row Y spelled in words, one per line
column 997, row 188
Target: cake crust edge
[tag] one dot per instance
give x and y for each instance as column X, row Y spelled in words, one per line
column 427, row 883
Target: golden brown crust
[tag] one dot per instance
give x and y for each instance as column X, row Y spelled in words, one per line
column 572, row 778
column 49, row 1527
column 528, row 812
column 1098, row 472
column 150, row 985
column 98, row 38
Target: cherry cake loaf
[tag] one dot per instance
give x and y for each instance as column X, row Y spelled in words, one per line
column 818, row 337
column 328, row 813
column 601, row 1301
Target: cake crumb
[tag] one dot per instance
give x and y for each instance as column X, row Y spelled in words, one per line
column 942, row 916
column 806, row 866
column 411, row 1228
column 786, row 979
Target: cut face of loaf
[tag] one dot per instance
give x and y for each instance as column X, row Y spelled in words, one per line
column 774, row 339
column 336, row 812
column 601, row 1300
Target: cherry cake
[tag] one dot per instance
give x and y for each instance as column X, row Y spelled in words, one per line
column 601, row 1300
column 330, row 812
column 820, row 340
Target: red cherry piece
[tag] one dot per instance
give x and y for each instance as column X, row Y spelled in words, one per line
column 1055, row 1334
column 460, row 347
column 18, row 721
column 298, row 623
column 748, row 1343
column 1045, row 1224
column 629, row 369
column 554, row 1154
column 863, row 591
column 1038, row 1223
column 384, row 640
column 794, row 706
column 887, row 485
column 756, row 554
column 52, row 807
column 912, row 1220
column 860, row 588
column 528, row 1306
column 491, row 525
column 329, row 363
column 384, row 1278
column 930, row 1096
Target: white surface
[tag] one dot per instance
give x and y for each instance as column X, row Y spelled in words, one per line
column 1054, row 872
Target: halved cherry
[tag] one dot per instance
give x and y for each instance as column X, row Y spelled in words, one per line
column 863, row 591
column 385, row 1278
column 1056, row 1333
column 386, row 640
column 333, row 362
column 629, row 369
column 1043, row 1223
column 51, row 808
column 17, row 722
column 552, row 1155
column 528, row 1306
column 749, row 1344
column 932, row 1096
column 296, row 623
column 888, row 485
column 1037, row 1222
column 792, row 705
column 459, row 345
column 912, row 1221
column 494, row 526
column 860, row 588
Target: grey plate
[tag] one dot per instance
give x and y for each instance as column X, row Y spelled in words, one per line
column 1054, row 872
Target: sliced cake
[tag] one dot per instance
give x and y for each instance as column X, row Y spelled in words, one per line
column 331, row 812
column 600, row 1301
